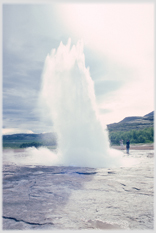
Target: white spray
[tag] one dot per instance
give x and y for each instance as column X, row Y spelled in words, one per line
column 68, row 94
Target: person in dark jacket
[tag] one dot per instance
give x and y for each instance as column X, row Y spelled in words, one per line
column 127, row 146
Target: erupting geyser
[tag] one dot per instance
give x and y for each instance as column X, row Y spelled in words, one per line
column 68, row 94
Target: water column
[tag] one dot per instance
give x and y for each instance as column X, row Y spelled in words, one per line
column 68, row 94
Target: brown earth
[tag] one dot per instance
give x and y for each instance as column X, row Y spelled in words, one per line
column 147, row 146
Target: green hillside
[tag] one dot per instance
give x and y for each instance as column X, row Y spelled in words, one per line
column 136, row 129
column 133, row 123
column 29, row 140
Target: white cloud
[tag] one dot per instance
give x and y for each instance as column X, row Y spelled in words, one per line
column 121, row 36
column 124, row 35
column 7, row 131
column 118, row 30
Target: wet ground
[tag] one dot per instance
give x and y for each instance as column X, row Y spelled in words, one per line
column 51, row 197
column 141, row 146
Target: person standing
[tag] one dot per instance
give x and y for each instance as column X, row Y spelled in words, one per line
column 121, row 144
column 127, row 146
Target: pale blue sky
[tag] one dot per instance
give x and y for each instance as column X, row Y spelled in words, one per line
column 118, row 47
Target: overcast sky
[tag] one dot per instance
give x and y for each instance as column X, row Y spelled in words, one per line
column 118, row 47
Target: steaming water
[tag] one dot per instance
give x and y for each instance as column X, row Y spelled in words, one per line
column 52, row 197
column 45, row 157
column 68, row 99
column 39, row 195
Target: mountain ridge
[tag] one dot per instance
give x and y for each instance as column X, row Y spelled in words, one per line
column 50, row 139
column 133, row 122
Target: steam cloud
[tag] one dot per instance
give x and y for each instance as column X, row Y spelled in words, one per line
column 69, row 99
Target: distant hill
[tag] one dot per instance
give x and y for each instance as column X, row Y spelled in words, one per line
column 150, row 116
column 133, row 122
column 122, row 129
column 17, row 140
column 135, row 128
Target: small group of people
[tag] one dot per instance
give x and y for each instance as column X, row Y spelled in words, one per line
column 127, row 145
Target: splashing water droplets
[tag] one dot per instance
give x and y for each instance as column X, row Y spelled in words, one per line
column 68, row 93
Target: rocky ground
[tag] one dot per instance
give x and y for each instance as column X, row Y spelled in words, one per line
column 51, row 197
column 147, row 146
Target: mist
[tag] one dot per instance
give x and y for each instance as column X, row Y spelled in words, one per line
column 68, row 101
